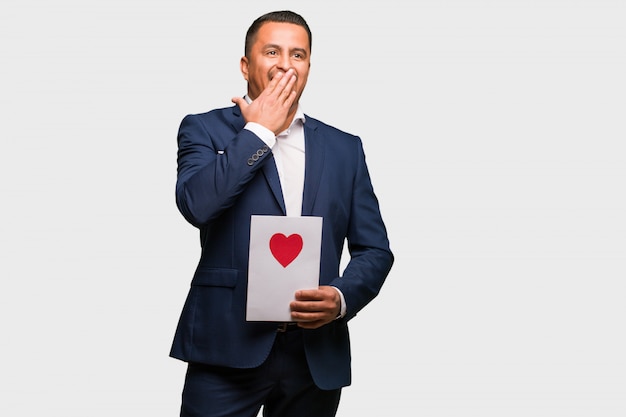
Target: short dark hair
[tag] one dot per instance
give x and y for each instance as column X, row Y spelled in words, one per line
column 282, row 16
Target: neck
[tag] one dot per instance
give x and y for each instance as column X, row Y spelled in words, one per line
column 289, row 119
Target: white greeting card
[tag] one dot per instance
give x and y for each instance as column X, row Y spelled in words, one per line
column 284, row 257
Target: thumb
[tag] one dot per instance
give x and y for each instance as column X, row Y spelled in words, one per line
column 240, row 102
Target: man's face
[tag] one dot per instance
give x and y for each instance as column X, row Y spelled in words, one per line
column 277, row 47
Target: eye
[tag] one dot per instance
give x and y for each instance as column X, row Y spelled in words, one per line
column 298, row 54
column 272, row 52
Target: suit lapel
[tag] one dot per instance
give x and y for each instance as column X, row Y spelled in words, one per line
column 314, row 155
column 271, row 176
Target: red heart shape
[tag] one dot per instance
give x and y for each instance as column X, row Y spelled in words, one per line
column 285, row 249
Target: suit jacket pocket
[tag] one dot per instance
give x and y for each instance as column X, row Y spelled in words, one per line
column 211, row 307
column 215, row 277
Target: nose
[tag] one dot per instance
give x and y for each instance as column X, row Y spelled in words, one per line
column 284, row 63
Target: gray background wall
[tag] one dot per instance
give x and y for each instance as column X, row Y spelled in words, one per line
column 494, row 132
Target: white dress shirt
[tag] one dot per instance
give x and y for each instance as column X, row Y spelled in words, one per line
column 289, row 155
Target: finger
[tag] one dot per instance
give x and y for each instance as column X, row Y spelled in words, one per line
column 307, row 317
column 291, row 82
column 290, row 99
column 288, row 94
column 308, row 307
column 311, row 307
column 314, row 295
column 273, row 85
column 286, row 79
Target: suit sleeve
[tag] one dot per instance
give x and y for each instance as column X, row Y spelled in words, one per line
column 370, row 254
column 215, row 163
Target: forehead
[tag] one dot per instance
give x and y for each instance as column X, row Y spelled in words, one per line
column 283, row 34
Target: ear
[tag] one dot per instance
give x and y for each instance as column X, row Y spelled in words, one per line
column 243, row 66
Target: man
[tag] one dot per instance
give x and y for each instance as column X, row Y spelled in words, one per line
column 263, row 156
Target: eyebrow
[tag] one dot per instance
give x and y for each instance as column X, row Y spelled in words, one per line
column 301, row 50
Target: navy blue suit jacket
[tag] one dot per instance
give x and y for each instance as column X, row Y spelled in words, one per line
column 225, row 175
